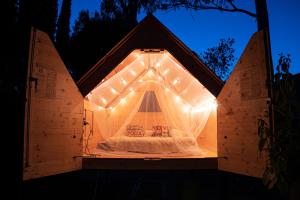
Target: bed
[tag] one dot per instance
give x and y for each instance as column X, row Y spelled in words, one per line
column 150, row 145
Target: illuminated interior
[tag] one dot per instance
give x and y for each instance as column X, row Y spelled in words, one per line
column 150, row 105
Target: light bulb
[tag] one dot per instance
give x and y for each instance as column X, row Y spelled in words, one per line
column 124, row 82
column 186, row 108
column 175, row 81
column 165, row 72
column 103, row 100
column 133, row 72
column 114, row 91
column 122, row 101
column 100, row 108
column 177, row 99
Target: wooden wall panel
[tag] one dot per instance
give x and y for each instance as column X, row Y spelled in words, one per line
column 241, row 102
column 54, row 118
column 92, row 135
column 208, row 137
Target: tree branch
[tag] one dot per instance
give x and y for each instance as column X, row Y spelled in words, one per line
column 174, row 5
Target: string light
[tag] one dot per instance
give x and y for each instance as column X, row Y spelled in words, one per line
column 101, row 108
column 142, row 62
column 207, row 106
column 124, row 82
column 165, row 72
column 133, row 72
column 122, row 101
column 114, row 91
column 186, row 108
column 175, row 81
column 177, row 99
column 167, row 89
column 103, row 100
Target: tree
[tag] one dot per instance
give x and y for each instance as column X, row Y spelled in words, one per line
column 126, row 9
column 63, row 29
column 92, row 38
column 221, row 5
column 282, row 143
column 39, row 14
column 220, row 58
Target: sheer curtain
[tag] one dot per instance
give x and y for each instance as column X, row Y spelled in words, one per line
column 184, row 104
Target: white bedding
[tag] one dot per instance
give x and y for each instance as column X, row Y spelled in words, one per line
column 150, row 145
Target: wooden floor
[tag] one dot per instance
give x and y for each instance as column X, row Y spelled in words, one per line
column 135, row 161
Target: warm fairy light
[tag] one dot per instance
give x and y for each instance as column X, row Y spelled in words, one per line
column 165, row 72
column 89, row 96
column 122, row 101
column 114, row 91
column 124, row 82
column 177, row 99
column 103, row 100
column 101, row 108
column 142, row 62
column 133, row 72
column 207, row 106
column 131, row 89
column 186, row 108
column 112, row 109
column 157, row 64
column 175, row 82
column 167, row 89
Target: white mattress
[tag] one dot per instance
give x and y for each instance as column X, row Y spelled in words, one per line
column 150, row 145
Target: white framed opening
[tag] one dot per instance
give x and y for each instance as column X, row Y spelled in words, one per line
column 150, row 106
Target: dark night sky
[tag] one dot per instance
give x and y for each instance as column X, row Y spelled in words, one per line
column 203, row 29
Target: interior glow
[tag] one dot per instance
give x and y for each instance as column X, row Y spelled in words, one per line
column 103, row 100
column 101, row 108
column 149, row 90
column 122, row 101
column 177, row 99
column 207, row 106
column 186, row 108
column 133, row 72
column 124, row 82
column 114, row 91
column 175, row 82
column 165, row 72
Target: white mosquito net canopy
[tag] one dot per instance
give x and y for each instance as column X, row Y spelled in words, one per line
column 150, row 94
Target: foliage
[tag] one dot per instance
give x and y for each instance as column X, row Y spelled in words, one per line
column 93, row 36
column 63, row 29
column 220, row 58
column 39, row 14
column 221, row 5
column 126, row 9
column 283, row 141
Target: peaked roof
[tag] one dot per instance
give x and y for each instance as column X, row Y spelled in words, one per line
column 150, row 34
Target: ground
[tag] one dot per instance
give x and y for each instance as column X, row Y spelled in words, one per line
column 147, row 185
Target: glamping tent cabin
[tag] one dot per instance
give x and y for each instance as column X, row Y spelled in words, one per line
column 150, row 103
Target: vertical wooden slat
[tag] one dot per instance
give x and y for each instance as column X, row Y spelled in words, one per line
column 54, row 113
column 241, row 102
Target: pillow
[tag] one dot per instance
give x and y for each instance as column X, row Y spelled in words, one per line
column 160, row 131
column 135, row 131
